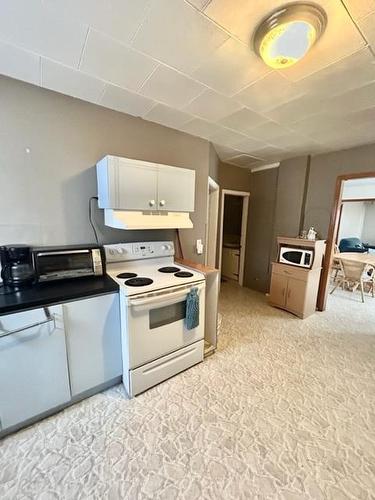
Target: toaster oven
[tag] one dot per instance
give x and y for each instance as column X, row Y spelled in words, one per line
column 58, row 263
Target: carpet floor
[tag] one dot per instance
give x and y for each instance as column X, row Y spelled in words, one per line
column 284, row 409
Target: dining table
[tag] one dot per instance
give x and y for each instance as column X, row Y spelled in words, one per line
column 366, row 258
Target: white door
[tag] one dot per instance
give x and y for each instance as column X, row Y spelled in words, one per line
column 212, row 223
column 136, row 186
column 176, row 189
column 93, row 336
column 156, row 325
column 33, row 364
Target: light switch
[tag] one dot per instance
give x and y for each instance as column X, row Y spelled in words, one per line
column 199, row 247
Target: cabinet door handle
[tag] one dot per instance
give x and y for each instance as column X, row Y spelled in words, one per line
column 162, row 203
column 151, row 203
column 39, row 323
column 289, row 292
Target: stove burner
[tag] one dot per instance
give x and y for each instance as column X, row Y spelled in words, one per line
column 183, row 274
column 169, row 269
column 127, row 275
column 138, row 282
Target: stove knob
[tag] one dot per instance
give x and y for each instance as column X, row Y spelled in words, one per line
column 164, row 247
column 111, row 252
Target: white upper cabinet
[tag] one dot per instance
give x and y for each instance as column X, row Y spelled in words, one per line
column 176, row 188
column 126, row 184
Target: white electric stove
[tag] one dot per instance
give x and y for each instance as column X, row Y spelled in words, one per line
column 153, row 290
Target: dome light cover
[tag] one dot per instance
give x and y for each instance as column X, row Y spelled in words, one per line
column 288, row 33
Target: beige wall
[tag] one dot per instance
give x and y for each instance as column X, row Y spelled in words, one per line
column 323, row 174
column 297, row 194
column 44, row 193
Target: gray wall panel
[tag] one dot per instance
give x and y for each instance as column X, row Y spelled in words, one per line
column 45, row 192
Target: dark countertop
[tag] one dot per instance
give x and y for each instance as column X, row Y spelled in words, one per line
column 54, row 293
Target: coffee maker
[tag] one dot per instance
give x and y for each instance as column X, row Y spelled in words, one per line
column 17, row 269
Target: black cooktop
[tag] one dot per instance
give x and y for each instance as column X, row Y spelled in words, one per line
column 127, row 275
column 139, row 282
column 183, row 274
column 169, row 269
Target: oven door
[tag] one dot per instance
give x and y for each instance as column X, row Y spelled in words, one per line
column 156, row 323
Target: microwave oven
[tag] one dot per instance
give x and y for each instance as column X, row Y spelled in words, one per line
column 58, row 263
column 294, row 256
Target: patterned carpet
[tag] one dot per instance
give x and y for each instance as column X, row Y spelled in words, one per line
column 284, row 409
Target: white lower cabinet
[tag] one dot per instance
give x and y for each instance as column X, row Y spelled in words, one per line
column 33, row 364
column 93, row 339
column 50, row 355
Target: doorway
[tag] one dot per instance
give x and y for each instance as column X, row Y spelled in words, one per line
column 350, row 189
column 212, row 223
column 233, row 228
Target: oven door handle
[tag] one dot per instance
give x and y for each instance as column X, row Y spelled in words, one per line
column 165, row 297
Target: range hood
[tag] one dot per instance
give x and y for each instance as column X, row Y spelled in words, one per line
column 126, row 219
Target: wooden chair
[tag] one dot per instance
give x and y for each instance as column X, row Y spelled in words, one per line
column 336, row 266
column 356, row 274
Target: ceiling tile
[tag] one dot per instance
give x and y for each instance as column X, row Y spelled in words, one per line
column 316, row 126
column 242, row 17
column 228, row 137
column 268, row 152
column 231, row 67
column 111, row 61
column 199, row 4
column 292, row 141
column 19, row 64
column 212, row 106
column 367, row 25
column 355, row 70
column 200, row 128
column 167, row 116
column 354, row 100
column 31, row 25
column 340, row 39
column 119, row 19
column 176, row 33
column 122, row 100
column 243, row 120
column 243, row 160
column 268, row 92
column 297, row 109
column 360, row 8
column 249, row 145
column 171, row 87
column 70, row 81
column 268, row 131
column 225, row 152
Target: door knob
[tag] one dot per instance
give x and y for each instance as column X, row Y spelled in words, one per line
column 151, row 203
column 162, row 203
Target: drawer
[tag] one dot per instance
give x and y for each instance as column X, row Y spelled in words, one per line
column 291, row 271
column 153, row 373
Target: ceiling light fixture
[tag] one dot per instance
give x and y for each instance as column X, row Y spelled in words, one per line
column 286, row 35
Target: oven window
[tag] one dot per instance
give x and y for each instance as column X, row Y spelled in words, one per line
column 167, row 314
column 293, row 257
column 48, row 264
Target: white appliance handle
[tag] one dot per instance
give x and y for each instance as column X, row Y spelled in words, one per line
column 164, row 297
